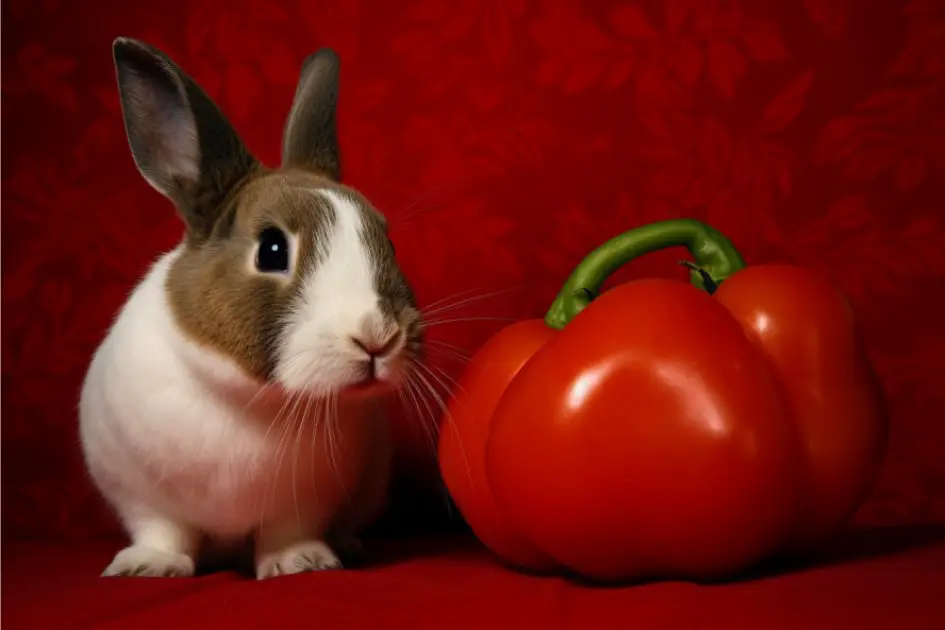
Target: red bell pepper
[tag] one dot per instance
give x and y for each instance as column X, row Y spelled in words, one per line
column 664, row 428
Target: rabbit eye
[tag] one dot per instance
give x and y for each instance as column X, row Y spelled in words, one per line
column 273, row 253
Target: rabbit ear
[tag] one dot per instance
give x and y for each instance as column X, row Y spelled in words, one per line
column 310, row 138
column 181, row 142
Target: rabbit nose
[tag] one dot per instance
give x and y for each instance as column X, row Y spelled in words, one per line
column 376, row 347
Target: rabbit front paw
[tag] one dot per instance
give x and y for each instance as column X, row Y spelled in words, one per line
column 300, row 557
column 140, row 561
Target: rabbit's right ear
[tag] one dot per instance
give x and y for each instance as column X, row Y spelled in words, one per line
column 181, row 142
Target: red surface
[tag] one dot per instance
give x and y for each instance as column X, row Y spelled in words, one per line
column 891, row 579
column 504, row 139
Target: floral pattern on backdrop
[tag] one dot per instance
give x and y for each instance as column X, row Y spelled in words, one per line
column 504, row 139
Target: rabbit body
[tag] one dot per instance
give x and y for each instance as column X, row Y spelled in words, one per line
column 236, row 396
column 180, row 438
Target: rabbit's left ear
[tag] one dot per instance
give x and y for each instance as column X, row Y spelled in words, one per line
column 310, row 138
column 182, row 144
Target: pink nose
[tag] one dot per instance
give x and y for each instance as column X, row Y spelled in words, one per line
column 377, row 348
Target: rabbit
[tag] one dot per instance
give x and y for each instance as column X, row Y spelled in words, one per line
column 235, row 399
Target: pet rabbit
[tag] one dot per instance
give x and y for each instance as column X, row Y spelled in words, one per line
column 236, row 395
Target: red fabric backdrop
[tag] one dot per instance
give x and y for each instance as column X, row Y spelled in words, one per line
column 505, row 139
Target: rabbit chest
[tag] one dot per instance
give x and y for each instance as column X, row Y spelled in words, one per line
column 169, row 424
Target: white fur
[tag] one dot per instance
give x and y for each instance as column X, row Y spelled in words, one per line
column 181, row 443
column 338, row 303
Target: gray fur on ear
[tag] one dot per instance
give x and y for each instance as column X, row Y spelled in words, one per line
column 181, row 143
column 310, row 138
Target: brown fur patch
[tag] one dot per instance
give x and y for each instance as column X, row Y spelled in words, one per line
column 214, row 293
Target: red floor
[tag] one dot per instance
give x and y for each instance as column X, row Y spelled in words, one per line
column 887, row 579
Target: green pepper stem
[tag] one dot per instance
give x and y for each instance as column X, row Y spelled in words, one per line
column 715, row 260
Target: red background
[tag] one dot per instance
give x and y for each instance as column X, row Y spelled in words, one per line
column 504, row 139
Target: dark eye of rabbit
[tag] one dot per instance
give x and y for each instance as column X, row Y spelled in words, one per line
column 273, row 254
